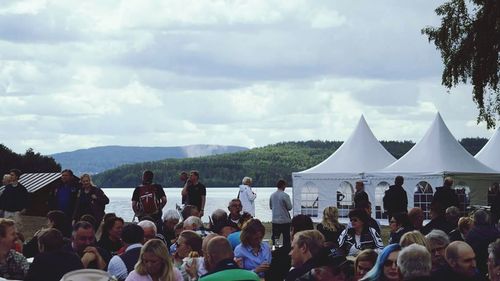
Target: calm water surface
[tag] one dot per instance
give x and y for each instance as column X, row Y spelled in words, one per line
column 217, row 198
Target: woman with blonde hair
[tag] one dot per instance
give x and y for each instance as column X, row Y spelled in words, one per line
column 90, row 200
column 154, row 264
column 330, row 226
column 413, row 237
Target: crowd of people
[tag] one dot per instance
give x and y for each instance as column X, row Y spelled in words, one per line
column 177, row 245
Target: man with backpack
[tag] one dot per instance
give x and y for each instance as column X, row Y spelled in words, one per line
column 149, row 199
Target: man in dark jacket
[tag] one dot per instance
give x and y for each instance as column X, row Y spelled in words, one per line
column 395, row 199
column 52, row 262
column 14, row 199
column 63, row 197
column 360, row 195
column 445, row 195
column 461, row 264
column 480, row 236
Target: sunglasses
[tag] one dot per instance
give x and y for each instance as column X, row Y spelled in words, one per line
column 390, row 263
column 354, row 220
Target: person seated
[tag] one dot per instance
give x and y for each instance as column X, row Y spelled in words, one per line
column 154, row 264
column 494, row 260
column 170, row 219
column 195, row 224
column 218, row 216
column 52, row 262
column 364, row 262
column 438, row 220
column 178, row 229
column 480, row 236
column 414, row 237
column 111, row 235
column 452, row 215
column 150, row 231
column 84, row 245
column 188, row 242
column 367, row 207
column 234, row 238
column 190, row 210
column 225, row 228
column 460, row 264
column 254, row 254
column 386, row 266
column 221, row 265
column 235, row 209
column 330, row 226
column 194, row 266
column 414, row 263
column 399, row 224
column 281, row 261
column 121, row 265
column 416, row 217
column 465, row 224
column 307, row 246
column 438, row 241
column 331, row 268
column 359, row 236
column 55, row 219
column 13, row 265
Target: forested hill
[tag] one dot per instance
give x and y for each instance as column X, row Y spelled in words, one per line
column 29, row 162
column 264, row 164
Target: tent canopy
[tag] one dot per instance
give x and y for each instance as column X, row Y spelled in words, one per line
column 490, row 153
column 438, row 152
column 359, row 153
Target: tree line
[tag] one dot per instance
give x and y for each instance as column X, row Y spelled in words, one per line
column 265, row 165
column 29, row 162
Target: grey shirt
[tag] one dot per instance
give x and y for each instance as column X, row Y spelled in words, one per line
column 280, row 204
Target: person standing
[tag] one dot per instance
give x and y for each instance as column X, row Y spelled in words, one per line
column 280, row 204
column 360, row 195
column 184, row 179
column 90, row 200
column 14, row 199
column 247, row 196
column 445, row 196
column 149, row 199
column 195, row 192
column 63, row 197
column 395, row 198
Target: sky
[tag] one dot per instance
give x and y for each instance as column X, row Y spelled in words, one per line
column 79, row 74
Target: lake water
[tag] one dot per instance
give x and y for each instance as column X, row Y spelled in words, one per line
column 217, row 198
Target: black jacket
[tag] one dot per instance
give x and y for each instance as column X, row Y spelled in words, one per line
column 14, row 199
column 445, row 197
column 395, row 200
column 51, row 266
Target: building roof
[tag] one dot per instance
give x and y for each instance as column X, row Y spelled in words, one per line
column 35, row 181
column 361, row 152
column 438, row 152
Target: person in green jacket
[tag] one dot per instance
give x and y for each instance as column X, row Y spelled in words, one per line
column 221, row 265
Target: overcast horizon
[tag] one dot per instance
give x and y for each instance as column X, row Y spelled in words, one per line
column 80, row 74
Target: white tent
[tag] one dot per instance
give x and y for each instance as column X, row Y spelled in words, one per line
column 437, row 155
column 334, row 178
column 490, row 153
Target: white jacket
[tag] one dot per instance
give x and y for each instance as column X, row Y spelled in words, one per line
column 247, row 198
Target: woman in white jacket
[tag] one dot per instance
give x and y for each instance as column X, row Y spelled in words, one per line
column 247, row 196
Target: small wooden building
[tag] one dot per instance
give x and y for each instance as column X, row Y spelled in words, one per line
column 39, row 186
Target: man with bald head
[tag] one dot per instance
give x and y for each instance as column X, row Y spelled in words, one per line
column 220, row 263
column 461, row 261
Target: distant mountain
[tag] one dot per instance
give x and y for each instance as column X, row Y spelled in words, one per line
column 97, row 159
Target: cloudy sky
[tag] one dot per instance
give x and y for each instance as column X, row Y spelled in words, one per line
column 78, row 74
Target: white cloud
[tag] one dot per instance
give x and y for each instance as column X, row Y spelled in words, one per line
column 76, row 74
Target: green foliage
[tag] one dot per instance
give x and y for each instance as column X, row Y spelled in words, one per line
column 469, row 41
column 264, row 164
column 30, row 162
